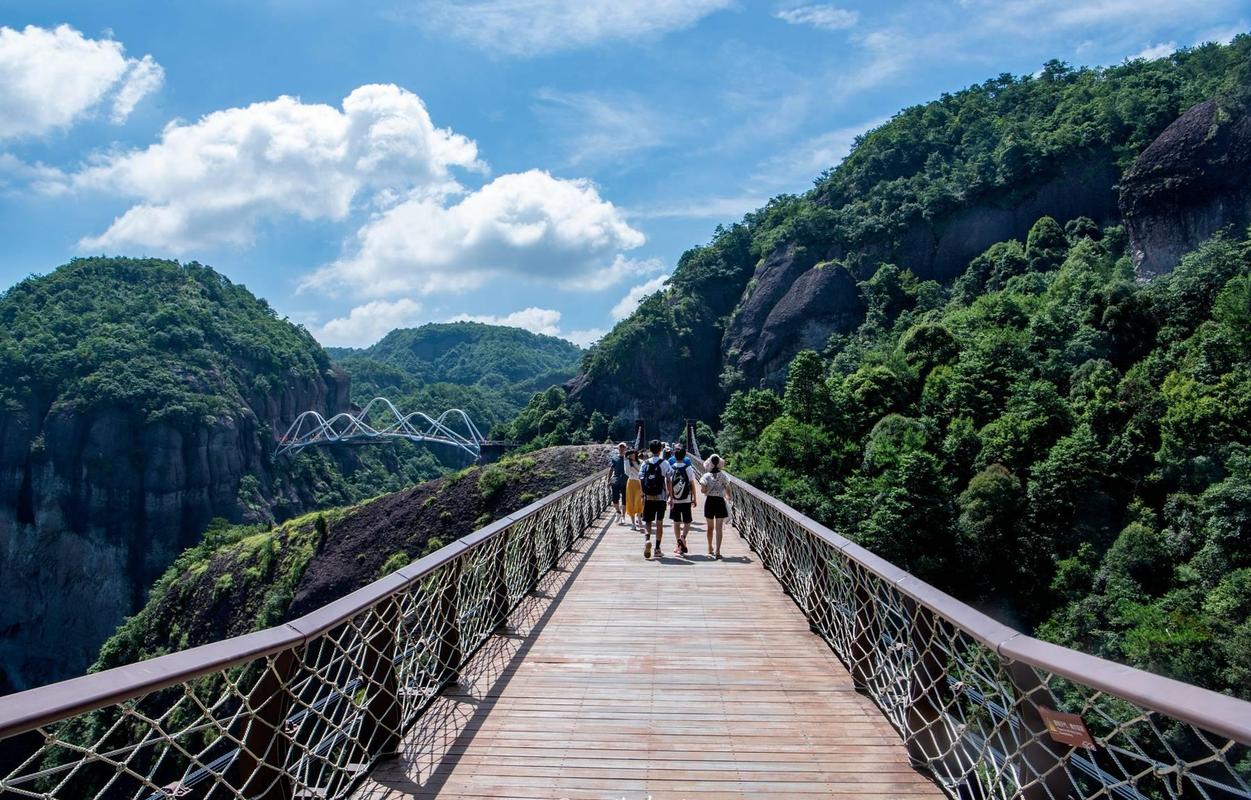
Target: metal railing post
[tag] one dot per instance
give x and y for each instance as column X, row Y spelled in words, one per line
column 449, row 626
column 382, row 720
column 1042, row 772
column 865, row 636
column 499, row 582
column 928, row 734
column 261, row 767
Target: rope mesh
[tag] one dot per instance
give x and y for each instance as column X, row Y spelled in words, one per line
column 308, row 721
column 968, row 715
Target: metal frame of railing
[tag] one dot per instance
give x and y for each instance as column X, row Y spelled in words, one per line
column 301, row 710
column 969, row 696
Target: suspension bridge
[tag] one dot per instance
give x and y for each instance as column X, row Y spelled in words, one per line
column 541, row 657
column 381, row 421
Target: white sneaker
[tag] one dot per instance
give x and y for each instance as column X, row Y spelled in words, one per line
column 647, row 549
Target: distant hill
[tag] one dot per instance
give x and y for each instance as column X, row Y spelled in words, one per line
column 490, row 371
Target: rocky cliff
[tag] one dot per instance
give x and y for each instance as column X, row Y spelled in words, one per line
column 105, row 476
column 1192, row 181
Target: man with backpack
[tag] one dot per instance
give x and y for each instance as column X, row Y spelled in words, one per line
column 681, row 491
column 654, row 477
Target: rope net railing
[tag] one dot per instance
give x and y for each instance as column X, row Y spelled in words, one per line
column 985, row 709
column 302, row 710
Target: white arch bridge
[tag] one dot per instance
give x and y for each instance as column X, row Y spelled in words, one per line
column 378, row 421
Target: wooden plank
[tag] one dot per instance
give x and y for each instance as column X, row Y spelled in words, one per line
column 627, row 678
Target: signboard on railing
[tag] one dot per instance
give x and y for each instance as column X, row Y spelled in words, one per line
column 1066, row 728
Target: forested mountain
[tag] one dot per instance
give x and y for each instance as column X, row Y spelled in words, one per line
column 490, row 371
column 927, row 191
column 1005, row 345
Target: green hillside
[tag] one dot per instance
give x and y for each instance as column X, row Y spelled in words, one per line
column 490, row 371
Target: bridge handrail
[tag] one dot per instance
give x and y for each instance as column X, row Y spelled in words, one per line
column 444, row 605
column 922, row 655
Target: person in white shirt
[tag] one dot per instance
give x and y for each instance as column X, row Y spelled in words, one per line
column 634, row 490
column 716, row 485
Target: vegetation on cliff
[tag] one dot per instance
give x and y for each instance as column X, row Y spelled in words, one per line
column 1046, row 438
column 175, row 342
column 985, row 146
column 241, row 578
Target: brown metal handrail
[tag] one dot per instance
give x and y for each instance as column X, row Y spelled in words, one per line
column 301, row 709
column 970, row 696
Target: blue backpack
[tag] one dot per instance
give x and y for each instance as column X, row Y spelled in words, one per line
column 652, row 477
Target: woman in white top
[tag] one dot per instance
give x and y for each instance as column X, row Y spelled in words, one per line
column 716, row 486
column 634, row 489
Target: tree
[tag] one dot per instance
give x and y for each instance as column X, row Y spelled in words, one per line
column 747, row 414
column 987, row 532
column 806, row 398
column 1046, row 245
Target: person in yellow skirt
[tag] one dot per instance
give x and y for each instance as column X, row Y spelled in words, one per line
column 634, row 490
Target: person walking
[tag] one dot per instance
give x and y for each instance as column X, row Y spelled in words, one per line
column 654, row 481
column 634, row 489
column 716, row 486
column 682, row 497
column 617, row 479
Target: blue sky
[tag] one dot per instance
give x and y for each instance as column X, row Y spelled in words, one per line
column 378, row 164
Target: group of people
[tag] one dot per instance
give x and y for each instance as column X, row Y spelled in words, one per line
column 648, row 485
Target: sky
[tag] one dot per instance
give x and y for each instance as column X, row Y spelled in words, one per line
column 540, row 163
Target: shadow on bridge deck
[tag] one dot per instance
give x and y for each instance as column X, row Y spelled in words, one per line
column 622, row 678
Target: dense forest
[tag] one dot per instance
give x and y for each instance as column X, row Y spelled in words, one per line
column 1046, row 438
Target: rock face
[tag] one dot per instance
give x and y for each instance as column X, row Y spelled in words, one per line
column 94, row 507
column 1193, row 180
column 796, row 301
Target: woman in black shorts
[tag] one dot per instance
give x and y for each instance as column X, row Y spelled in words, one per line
column 716, row 486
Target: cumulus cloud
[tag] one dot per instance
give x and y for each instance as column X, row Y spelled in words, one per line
column 534, row 27
column 625, row 307
column 49, row 79
column 524, row 225
column 536, row 320
column 368, row 323
column 1155, row 51
column 211, row 181
column 824, row 16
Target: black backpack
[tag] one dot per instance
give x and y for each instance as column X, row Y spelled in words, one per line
column 653, row 479
column 681, row 482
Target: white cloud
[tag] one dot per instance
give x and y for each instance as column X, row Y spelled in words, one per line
column 211, row 181
column 525, row 225
column 145, row 76
column 534, row 27
column 49, row 79
column 585, row 337
column 823, row 16
column 625, row 307
column 600, row 128
column 535, row 320
column 1155, row 51
column 368, row 323
column 799, row 165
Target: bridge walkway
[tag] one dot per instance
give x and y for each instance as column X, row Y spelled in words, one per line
column 624, row 678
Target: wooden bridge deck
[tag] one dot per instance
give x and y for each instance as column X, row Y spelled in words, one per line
column 623, row 678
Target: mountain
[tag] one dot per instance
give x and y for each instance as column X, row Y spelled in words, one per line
column 140, row 400
column 1003, row 345
column 927, row 192
column 489, row 371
